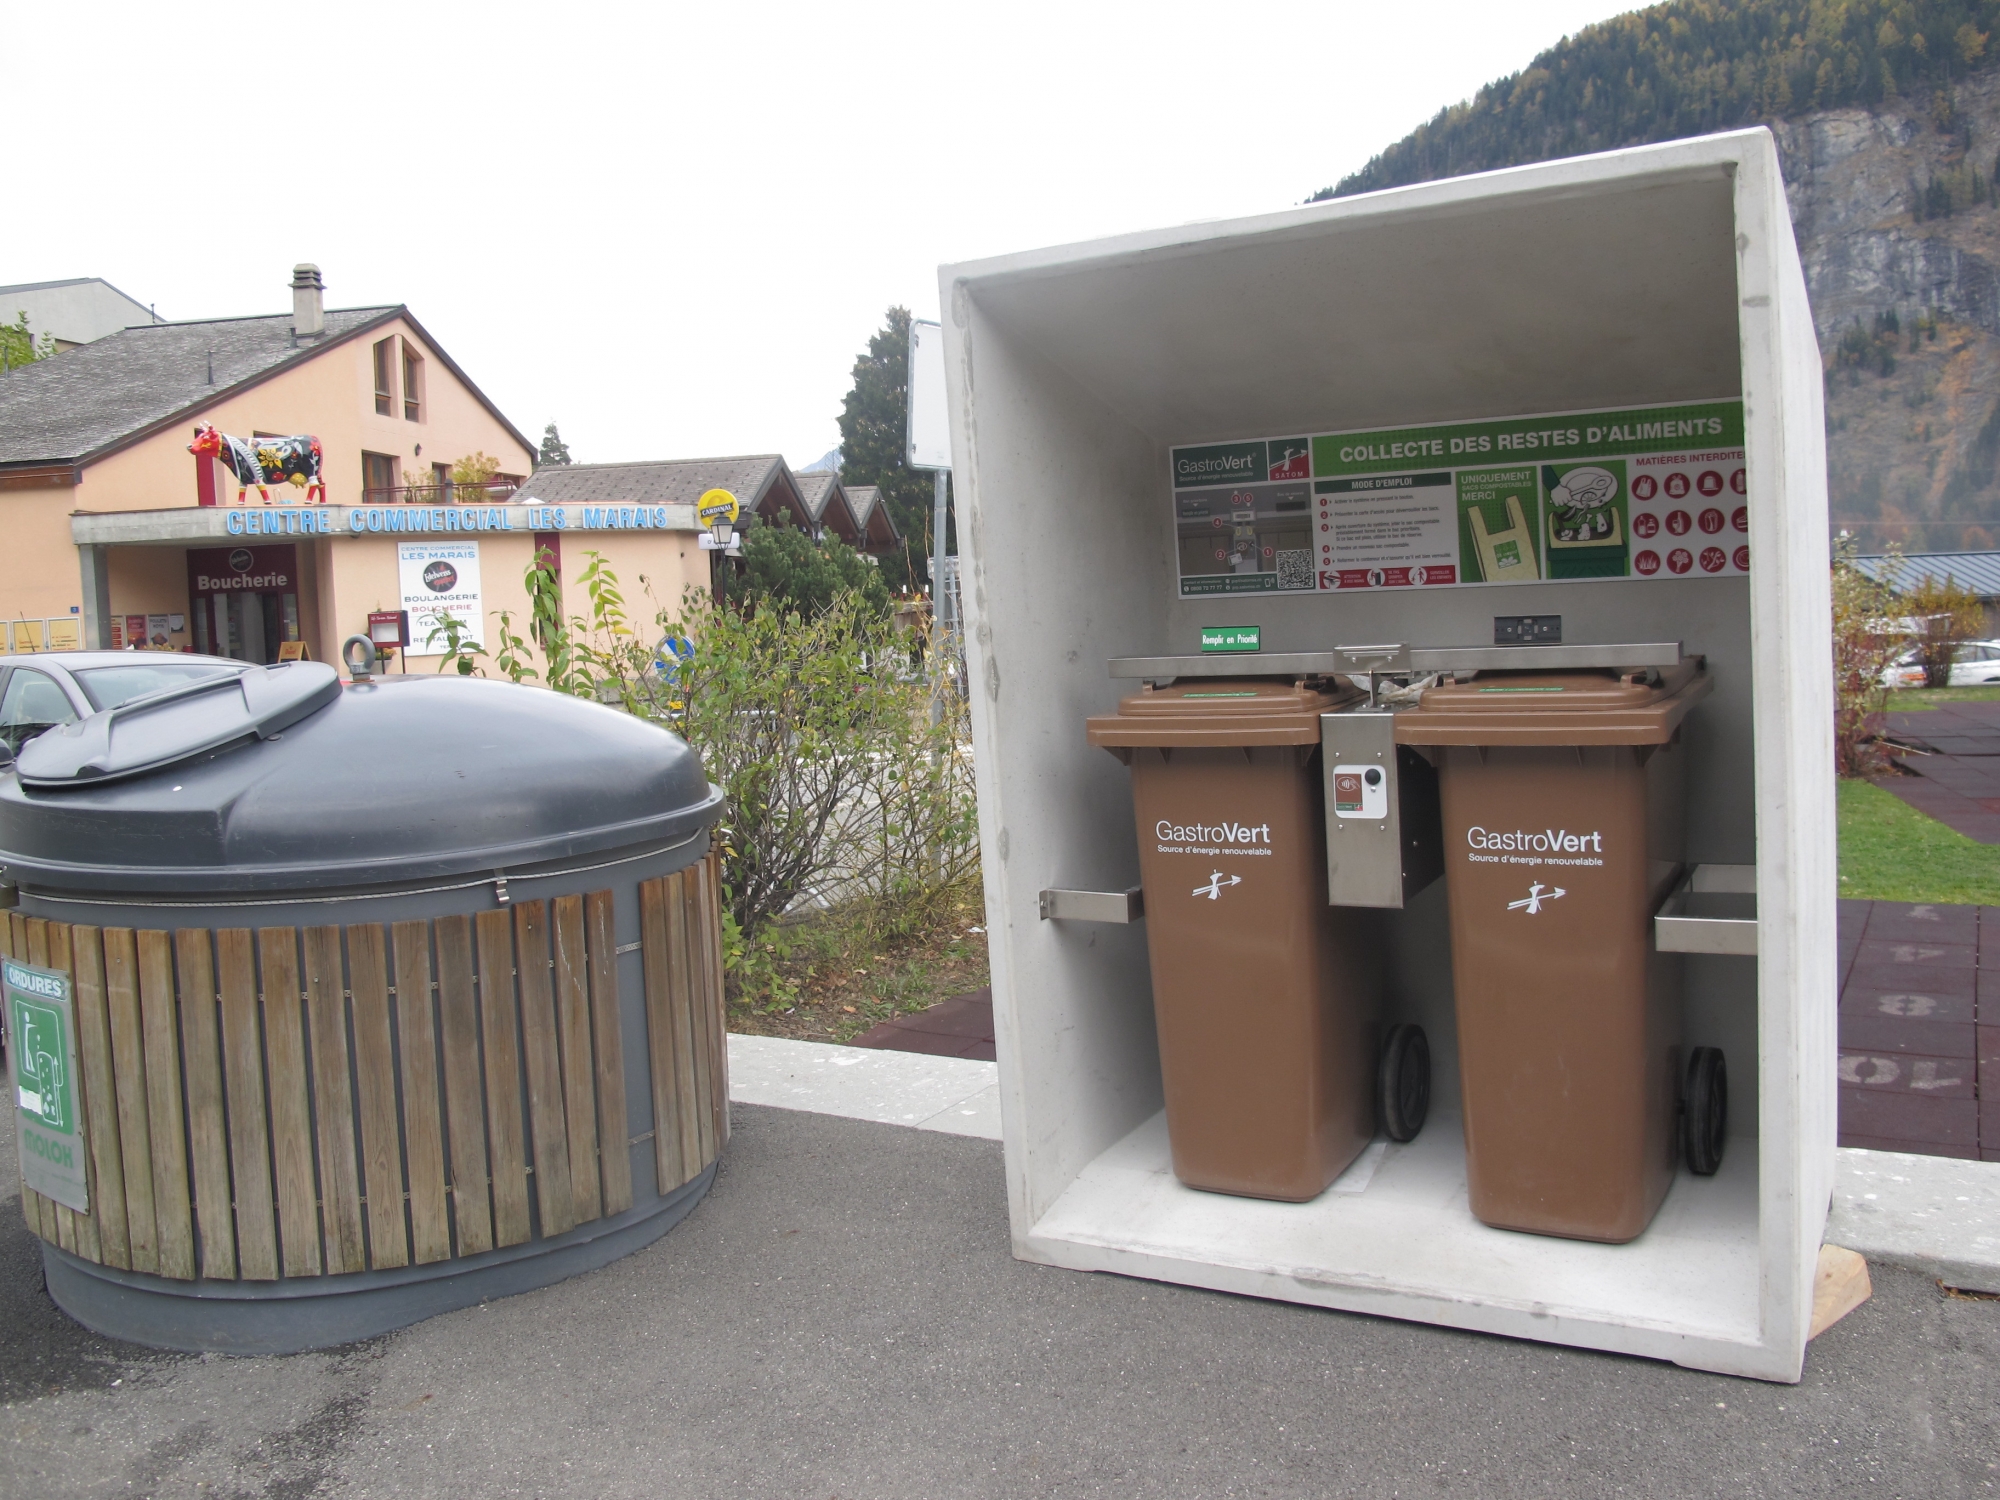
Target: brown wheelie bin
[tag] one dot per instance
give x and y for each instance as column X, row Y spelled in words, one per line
column 1264, row 995
column 1562, row 797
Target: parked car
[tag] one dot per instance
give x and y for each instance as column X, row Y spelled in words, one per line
column 39, row 690
column 1973, row 664
column 1906, row 671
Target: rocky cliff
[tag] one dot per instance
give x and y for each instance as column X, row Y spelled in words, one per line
column 1897, row 225
column 1888, row 115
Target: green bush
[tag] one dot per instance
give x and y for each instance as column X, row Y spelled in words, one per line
column 846, row 774
column 785, row 568
column 841, row 784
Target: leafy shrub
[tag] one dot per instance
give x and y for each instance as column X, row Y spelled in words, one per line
column 1866, row 639
column 1947, row 615
column 846, row 778
column 839, row 784
column 786, row 569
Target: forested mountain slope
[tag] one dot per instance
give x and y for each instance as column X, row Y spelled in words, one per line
column 1888, row 120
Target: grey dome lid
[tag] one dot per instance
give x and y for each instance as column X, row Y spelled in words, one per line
column 143, row 734
column 400, row 780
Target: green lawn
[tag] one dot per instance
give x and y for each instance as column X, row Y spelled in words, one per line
column 1891, row 852
column 1904, row 700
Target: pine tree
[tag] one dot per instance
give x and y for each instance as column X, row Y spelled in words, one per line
column 554, row 449
column 873, row 435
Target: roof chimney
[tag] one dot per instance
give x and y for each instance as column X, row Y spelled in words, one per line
column 308, row 302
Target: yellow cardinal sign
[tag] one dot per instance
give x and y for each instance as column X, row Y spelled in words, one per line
column 716, row 505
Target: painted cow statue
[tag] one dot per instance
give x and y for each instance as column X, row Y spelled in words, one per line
column 264, row 461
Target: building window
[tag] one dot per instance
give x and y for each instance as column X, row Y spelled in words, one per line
column 441, row 477
column 413, row 384
column 385, row 360
column 378, row 477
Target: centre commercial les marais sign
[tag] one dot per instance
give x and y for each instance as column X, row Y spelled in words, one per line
column 329, row 520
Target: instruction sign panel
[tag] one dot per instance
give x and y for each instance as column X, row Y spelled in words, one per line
column 41, row 1052
column 1638, row 493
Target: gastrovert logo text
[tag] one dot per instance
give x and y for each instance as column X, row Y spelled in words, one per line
column 1212, row 833
column 1547, row 841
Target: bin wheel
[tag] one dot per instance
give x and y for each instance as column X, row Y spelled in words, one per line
column 1404, row 1082
column 1705, row 1111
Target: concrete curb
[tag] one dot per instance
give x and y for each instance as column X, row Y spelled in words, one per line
column 1931, row 1214
column 955, row 1095
column 1928, row 1213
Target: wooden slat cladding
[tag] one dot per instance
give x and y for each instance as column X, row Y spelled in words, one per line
column 159, row 1021
column 93, row 1040
column 135, row 1116
column 654, row 950
column 333, row 1102
column 423, row 1131
column 249, row 1130
column 500, row 1039
column 89, row 1244
column 548, row 1126
column 375, row 1083
column 608, row 1040
column 572, row 994
column 201, row 1067
column 684, row 1022
column 680, row 981
column 283, row 1102
column 291, row 1100
column 465, row 1111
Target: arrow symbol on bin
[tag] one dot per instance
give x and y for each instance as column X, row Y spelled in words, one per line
column 1537, row 894
column 1217, row 883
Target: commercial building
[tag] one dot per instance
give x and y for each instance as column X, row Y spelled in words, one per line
column 403, row 488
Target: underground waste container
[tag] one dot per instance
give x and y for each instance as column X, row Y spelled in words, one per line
column 1266, row 998
column 1563, row 795
column 382, row 1000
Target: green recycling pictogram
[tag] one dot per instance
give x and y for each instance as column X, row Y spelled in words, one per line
column 42, row 1052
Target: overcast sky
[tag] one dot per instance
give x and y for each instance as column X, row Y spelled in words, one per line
column 672, row 227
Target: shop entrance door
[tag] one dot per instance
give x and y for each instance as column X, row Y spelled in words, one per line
column 246, row 601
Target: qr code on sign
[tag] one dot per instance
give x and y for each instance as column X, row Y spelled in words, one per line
column 1295, row 568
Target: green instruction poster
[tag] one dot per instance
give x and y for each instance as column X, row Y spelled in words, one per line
column 41, row 1051
column 1499, row 515
column 1641, row 493
column 1584, row 515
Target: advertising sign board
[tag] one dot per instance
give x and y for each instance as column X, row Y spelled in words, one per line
column 439, row 578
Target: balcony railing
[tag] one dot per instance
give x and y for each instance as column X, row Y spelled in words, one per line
column 492, row 492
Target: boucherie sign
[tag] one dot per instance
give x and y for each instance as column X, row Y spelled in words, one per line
column 254, row 570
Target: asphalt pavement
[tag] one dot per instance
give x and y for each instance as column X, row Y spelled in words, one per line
column 842, row 1319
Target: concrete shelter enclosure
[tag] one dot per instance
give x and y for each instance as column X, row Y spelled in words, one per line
column 1656, row 275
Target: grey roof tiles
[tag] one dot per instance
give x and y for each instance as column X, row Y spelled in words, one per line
column 1978, row 571
column 94, row 397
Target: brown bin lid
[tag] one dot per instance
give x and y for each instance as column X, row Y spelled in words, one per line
column 1555, row 708
column 1220, row 711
